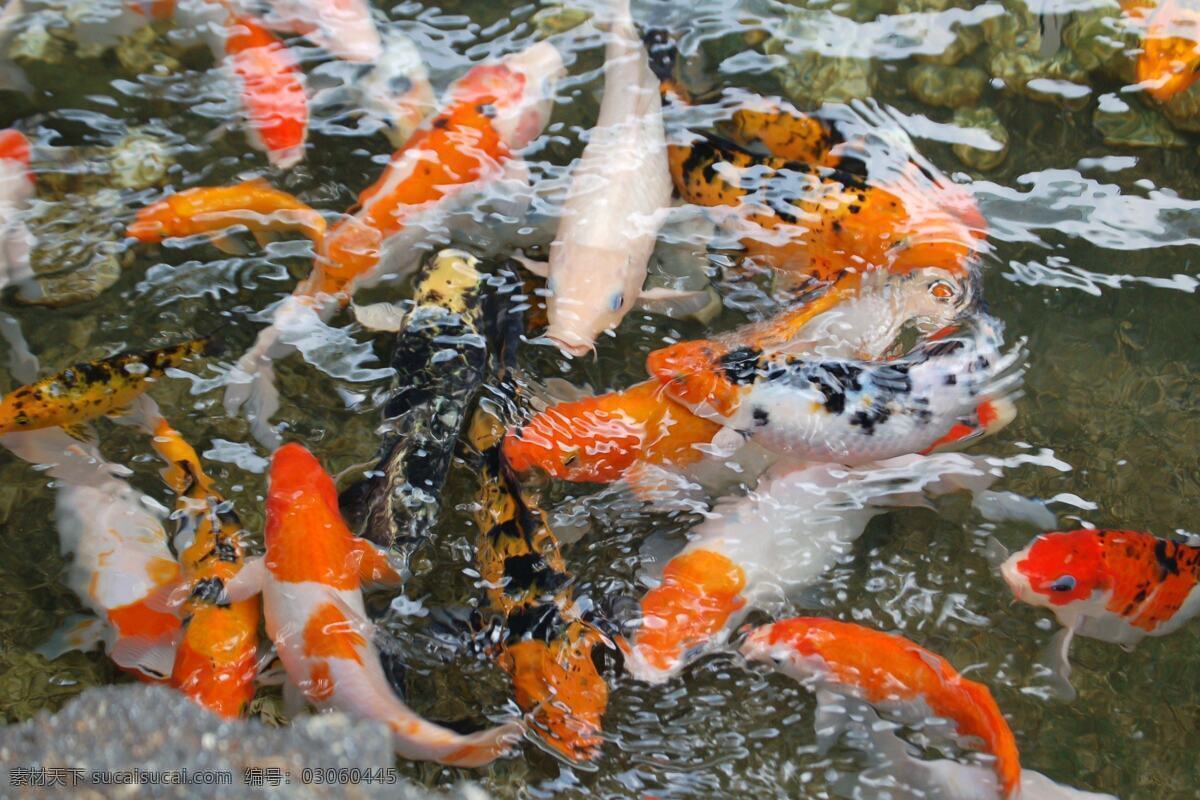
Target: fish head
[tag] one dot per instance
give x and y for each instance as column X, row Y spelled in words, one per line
column 396, row 86
column 518, row 89
column 1170, row 51
column 704, row 375
column 1058, row 569
column 153, row 223
column 576, row 441
column 591, row 294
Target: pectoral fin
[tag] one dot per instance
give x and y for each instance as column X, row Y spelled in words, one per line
column 384, row 317
column 702, row 305
column 228, row 245
column 539, row 268
column 1056, row 661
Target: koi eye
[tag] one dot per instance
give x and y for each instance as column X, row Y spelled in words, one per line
column 1064, row 584
column 618, row 301
column 571, row 460
column 942, row 290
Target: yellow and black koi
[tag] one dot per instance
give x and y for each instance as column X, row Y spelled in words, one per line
column 93, row 389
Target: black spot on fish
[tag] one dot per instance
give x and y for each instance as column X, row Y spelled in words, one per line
column 761, row 417
column 950, row 380
column 1164, row 554
column 441, row 122
column 539, row 622
column 741, row 365
column 209, row 590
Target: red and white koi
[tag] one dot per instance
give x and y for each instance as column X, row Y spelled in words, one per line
column 492, row 111
column 1113, row 585
column 851, row 412
column 272, row 90
column 343, row 27
column 311, row 578
column 16, row 187
column 753, row 552
column 618, row 199
column 837, row 659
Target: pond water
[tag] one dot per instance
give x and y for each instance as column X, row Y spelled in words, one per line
column 1092, row 234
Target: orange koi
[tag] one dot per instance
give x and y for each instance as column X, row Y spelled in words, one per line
column 273, row 92
column 1170, row 54
column 311, row 579
column 217, row 659
column 210, row 210
column 886, row 668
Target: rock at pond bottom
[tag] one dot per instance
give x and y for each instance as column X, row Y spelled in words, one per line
column 160, row 732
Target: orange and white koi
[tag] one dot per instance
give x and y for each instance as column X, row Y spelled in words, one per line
column 92, row 389
column 212, row 210
column 216, row 663
column 491, row 111
column 618, row 199
column 847, row 411
column 1113, row 585
column 311, row 579
column 122, row 571
column 343, row 27
column 16, row 187
column 1169, row 61
column 840, row 658
column 272, row 90
column 753, row 552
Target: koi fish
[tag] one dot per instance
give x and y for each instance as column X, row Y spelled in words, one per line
column 814, row 222
column 211, row 210
column 840, row 410
column 397, row 88
column 440, row 361
column 123, row 571
column 1112, row 585
column 755, row 551
column 618, row 198
column 546, row 646
column 16, row 187
column 838, row 658
column 492, row 110
column 1170, row 55
column 786, row 133
column 217, row 658
column 605, row 438
column 272, row 90
column 92, row 389
column 343, row 27
column 311, row 578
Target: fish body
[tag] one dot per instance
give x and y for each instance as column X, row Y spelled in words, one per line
column 343, row 27
column 16, row 187
column 440, row 360
column 1114, row 585
column 216, row 663
column 210, row 210
column 272, row 90
column 92, row 389
column 756, row 551
column 883, row 668
column 122, row 571
column 813, row 222
column 397, row 88
column 786, row 133
column 1170, row 54
column 312, row 600
column 491, row 111
column 620, row 190
column 851, row 412
column 546, row 646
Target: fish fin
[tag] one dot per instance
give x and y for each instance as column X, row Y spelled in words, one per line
column 1055, row 659
column 154, row 658
column 169, row 597
column 248, row 582
column 1036, row 786
column 539, row 268
column 83, row 432
column 476, row 749
column 252, row 385
column 561, row 390
column 143, row 413
column 727, row 442
column 702, row 305
column 376, row 566
column 22, row 363
column 384, row 317
column 664, row 490
column 272, row 672
column 829, row 723
column 228, row 245
column 264, row 237
column 78, row 632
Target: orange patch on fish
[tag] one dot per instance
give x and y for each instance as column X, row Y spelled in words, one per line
column 272, row 89
column 138, row 619
column 700, row 590
column 320, row 683
column 329, row 634
column 1170, row 54
column 695, row 373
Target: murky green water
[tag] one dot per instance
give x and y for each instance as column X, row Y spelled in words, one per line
column 1094, row 245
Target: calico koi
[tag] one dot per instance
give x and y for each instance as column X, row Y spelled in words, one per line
column 216, row 663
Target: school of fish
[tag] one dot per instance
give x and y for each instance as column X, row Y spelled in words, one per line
column 879, row 362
